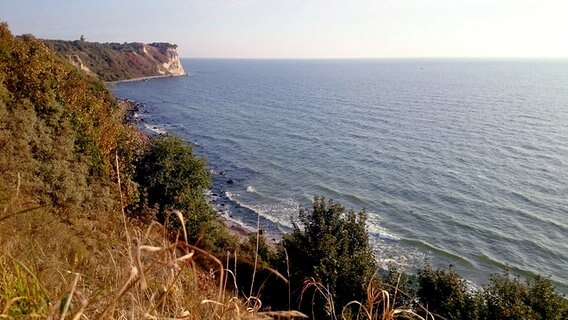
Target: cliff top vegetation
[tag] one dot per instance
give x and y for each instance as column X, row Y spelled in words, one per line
column 117, row 61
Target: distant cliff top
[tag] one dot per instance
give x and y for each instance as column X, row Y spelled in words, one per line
column 120, row 61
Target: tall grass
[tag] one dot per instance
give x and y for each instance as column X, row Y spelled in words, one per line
column 378, row 305
column 139, row 272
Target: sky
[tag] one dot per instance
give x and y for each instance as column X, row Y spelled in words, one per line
column 307, row 28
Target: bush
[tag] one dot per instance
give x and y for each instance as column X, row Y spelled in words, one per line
column 399, row 284
column 444, row 292
column 509, row 298
column 170, row 173
column 545, row 301
column 332, row 247
column 172, row 177
column 265, row 253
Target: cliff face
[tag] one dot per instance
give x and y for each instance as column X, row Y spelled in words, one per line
column 165, row 56
column 115, row 61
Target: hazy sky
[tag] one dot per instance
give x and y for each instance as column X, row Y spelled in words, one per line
column 307, row 28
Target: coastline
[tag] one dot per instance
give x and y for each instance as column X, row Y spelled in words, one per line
column 147, row 78
column 241, row 232
column 235, row 228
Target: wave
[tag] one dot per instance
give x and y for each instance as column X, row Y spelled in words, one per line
column 276, row 213
column 155, row 129
column 437, row 251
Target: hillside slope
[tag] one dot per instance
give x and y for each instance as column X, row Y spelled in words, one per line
column 67, row 246
column 115, row 61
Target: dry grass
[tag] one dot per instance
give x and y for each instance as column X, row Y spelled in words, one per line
column 162, row 282
column 90, row 269
column 379, row 304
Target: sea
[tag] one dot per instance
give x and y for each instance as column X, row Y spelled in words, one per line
column 457, row 162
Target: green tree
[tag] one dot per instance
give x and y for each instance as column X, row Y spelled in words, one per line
column 172, row 177
column 332, row 247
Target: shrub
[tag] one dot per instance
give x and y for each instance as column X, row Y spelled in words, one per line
column 170, row 173
column 445, row 293
column 545, row 301
column 333, row 248
column 509, row 298
column 399, row 284
column 249, row 249
column 172, row 177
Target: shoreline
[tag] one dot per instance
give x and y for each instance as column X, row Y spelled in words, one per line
column 147, row 78
column 235, row 228
column 242, row 233
column 240, row 230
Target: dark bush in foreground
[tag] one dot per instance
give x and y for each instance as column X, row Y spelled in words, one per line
column 332, row 247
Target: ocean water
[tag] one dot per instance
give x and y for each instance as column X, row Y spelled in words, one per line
column 461, row 162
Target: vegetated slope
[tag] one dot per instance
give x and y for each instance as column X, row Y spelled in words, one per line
column 116, row 61
column 60, row 129
column 67, row 170
column 61, row 139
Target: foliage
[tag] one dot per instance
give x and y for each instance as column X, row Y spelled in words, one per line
column 509, row 298
column 60, row 130
column 444, row 292
column 446, row 295
column 399, row 284
column 332, row 247
column 172, row 177
column 545, row 301
column 21, row 293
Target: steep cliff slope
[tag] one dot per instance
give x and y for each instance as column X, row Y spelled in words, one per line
column 115, row 61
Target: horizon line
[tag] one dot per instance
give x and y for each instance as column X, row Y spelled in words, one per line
column 380, row 58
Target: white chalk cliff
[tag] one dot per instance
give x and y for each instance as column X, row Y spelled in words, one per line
column 121, row 61
column 165, row 56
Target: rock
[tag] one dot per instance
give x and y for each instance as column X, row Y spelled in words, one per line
column 230, row 181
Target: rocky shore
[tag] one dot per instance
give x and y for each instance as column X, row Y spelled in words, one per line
column 132, row 115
